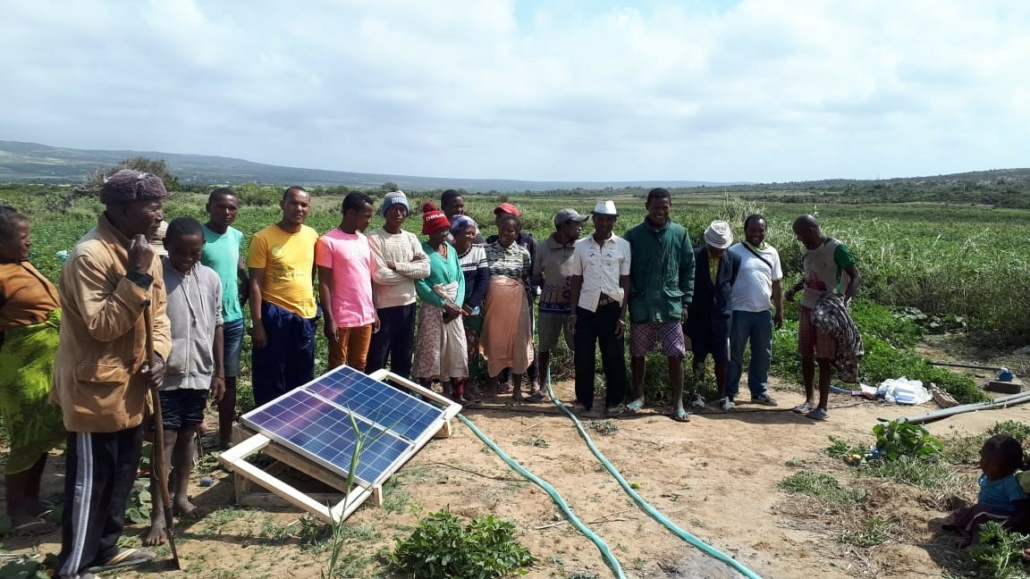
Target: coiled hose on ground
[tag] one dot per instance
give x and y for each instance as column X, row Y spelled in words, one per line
column 601, row 545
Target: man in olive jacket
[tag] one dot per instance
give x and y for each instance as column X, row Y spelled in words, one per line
column 101, row 374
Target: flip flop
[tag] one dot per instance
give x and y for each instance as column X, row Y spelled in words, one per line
column 537, row 396
column 35, row 528
column 818, row 414
column 681, row 415
column 123, row 558
column 635, row 406
column 803, row 408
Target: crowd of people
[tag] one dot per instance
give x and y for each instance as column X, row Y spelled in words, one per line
column 79, row 361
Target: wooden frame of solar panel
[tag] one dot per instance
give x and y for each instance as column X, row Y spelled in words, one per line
column 258, row 433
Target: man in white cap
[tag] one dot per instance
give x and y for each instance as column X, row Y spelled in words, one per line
column 599, row 286
column 552, row 273
column 708, row 325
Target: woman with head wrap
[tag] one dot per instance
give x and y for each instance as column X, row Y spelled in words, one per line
column 440, row 344
column 472, row 257
column 30, row 318
column 507, row 329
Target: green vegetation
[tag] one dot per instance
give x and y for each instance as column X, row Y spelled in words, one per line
column 442, row 546
column 999, row 553
column 821, row 486
column 898, row 438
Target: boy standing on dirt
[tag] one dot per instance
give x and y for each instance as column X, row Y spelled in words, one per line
column 282, row 300
column 828, row 267
column 194, row 367
column 662, row 286
column 344, row 263
column 222, row 246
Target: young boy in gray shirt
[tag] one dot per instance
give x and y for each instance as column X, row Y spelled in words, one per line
column 194, row 366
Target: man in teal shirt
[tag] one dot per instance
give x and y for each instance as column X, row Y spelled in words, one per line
column 661, row 288
column 222, row 244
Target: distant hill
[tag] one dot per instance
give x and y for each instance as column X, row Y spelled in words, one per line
column 35, row 163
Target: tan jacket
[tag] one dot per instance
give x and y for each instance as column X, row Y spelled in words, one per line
column 98, row 379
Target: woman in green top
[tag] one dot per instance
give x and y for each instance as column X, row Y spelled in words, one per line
column 440, row 345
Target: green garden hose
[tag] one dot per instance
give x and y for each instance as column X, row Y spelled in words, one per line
column 601, row 545
column 645, row 506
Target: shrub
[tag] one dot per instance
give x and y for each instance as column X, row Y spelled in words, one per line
column 898, row 438
column 442, row 547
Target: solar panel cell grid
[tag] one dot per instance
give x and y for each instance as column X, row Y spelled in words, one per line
column 315, row 420
column 389, row 407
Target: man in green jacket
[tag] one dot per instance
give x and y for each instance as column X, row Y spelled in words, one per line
column 661, row 288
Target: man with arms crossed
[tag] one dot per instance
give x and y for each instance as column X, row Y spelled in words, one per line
column 397, row 261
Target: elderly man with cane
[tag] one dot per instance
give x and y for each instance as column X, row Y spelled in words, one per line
column 109, row 286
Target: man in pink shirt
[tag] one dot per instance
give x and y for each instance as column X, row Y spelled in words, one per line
column 344, row 263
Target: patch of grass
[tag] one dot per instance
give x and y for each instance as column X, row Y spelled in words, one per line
column 927, row 474
column 603, row 427
column 876, row 531
column 536, row 441
column 840, row 449
column 821, row 486
column 1019, row 430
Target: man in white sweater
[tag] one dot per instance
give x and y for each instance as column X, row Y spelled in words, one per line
column 398, row 260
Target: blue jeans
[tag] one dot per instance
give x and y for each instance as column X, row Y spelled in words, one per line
column 756, row 327
column 232, row 346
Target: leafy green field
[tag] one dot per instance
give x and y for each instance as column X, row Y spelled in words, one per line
column 957, row 260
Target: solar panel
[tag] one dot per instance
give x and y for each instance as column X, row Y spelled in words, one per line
column 315, row 421
column 387, row 406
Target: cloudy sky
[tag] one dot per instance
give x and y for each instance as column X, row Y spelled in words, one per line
column 753, row 90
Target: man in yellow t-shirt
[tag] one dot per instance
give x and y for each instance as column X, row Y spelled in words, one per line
column 282, row 301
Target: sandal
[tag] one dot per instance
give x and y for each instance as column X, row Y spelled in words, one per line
column 635, row 406
column 537, row 396
column 35, row 528
column 818, row 414
column 803, row 408
column 681, row 415
column 123, row 558
column 504, row 388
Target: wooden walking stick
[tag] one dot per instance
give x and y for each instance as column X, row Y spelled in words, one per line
column 158, row 463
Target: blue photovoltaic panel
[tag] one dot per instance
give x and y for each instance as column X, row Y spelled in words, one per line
column 386, row 406
column 315, row 420
column 325, row 433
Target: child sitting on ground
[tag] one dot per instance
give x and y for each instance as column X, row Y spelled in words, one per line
column 193, row 368
column 1001, row 497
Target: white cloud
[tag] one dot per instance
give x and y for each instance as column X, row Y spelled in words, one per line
column 765, row 90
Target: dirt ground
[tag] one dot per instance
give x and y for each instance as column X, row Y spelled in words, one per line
column 715, row 477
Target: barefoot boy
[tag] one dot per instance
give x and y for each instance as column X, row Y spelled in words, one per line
column 194, row 365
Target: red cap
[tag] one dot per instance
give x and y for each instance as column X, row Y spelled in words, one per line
column 506, row 208
column 433, row 219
